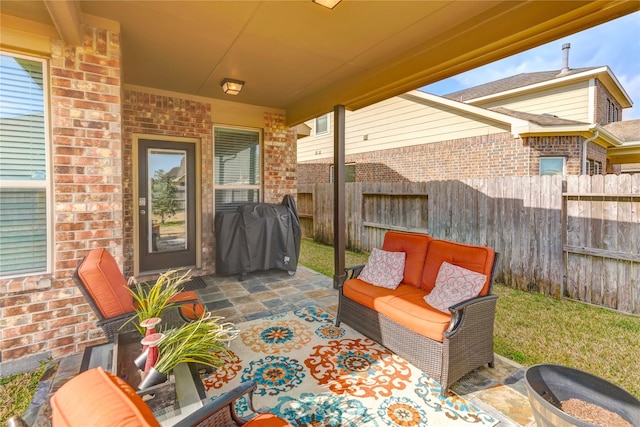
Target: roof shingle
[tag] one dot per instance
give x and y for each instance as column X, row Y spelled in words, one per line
column 509, row 83
column 539, row 119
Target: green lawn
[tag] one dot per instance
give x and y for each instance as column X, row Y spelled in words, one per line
column 531, row 328
column 16, row 392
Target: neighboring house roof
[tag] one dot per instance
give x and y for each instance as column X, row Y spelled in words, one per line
column 539, row 119
column 510, row 83
column 526, row 82
column 627, row 131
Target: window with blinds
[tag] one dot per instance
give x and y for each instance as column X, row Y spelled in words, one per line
column 23, row 166
column 236, row 167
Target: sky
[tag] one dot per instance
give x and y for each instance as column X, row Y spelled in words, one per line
column 615, row 43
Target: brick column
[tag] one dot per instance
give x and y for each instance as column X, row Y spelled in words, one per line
column 279, row 158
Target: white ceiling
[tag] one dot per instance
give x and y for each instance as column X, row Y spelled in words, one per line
column 300, row 57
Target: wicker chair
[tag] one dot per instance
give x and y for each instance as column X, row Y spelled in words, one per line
column 99, row 398
column 99, row 279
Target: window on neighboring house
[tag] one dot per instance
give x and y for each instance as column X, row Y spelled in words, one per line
column 613, row 114
column 552, row 165
column 236, row 167
column 349, row 173
column 322, row 125
column 24, row 220
column 594, row 167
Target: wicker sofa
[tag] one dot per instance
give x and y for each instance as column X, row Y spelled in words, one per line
column 445, row 346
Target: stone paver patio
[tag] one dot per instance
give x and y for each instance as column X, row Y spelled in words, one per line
column 499, row 391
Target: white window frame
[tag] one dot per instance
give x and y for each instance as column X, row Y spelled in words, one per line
column 315, row 125
column 597, row 167
column 46, row 183
column 564, row 165
column 346, row 165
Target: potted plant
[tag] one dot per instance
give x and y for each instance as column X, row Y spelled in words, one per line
column 150, row 301
column 203, row 341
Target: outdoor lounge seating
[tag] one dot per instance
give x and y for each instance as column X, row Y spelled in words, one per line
column 105, row 288
column 444, row 344
column 99, row 398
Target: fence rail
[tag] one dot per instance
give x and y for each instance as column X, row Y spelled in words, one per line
column 573, row 236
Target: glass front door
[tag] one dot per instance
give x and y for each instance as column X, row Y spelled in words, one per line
column 166, row 205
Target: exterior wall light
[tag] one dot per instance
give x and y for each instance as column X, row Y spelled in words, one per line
column 231, row 87
column 327, row 3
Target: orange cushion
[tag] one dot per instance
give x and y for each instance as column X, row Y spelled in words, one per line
column 474, row 258
column 367, row 294
column 411, row 311
column 105, row 283
column 415, row 246
column 404, row 305
column 192, row 310
column 267, row 420
column 98, row 398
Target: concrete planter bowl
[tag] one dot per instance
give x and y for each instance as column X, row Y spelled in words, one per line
column 548, row 385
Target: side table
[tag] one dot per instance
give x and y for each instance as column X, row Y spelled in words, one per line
column 190, row 391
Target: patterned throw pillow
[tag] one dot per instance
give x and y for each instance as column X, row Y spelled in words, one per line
column 453, row 285
column 384, row 269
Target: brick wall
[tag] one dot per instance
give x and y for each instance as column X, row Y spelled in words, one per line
column 280, row 153
column 150, row 114
column 311, row 173
column 599, row 154
column 569, row 147
column 601, row 106
column 478, row 157
column 45, row 315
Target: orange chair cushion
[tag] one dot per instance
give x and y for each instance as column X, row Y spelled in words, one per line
column 404, row 305
column 474, row 258
column 367, row 294
column 267, row 420
column 98, row 398
column 415, row 246
column 193, row 309
column 105, row 283
column 109, row 289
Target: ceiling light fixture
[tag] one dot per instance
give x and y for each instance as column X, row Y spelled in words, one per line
column 330, row 4
column 231, row 86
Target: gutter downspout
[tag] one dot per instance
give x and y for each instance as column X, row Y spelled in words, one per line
column 584, row 152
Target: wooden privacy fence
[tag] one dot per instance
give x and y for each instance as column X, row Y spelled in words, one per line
column 575, row 236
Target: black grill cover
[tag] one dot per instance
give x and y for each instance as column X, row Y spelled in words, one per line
column 258, row 236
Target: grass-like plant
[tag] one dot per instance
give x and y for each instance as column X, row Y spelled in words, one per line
column 202, row 341
column 152, row 300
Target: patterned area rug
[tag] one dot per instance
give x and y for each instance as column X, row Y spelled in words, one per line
column 314, row 374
